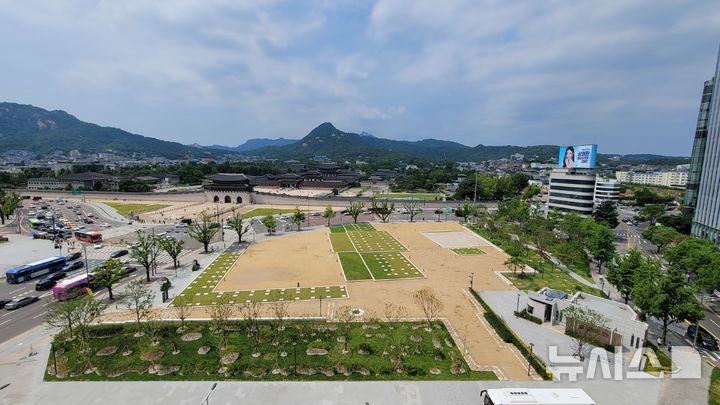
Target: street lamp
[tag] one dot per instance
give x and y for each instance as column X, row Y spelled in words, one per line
column 602, row 285
column 206, row 401
column 531, row 354
column 517, row 305
column 472, row 275
column 321, row 306
column 87, row 270
column 294, row 344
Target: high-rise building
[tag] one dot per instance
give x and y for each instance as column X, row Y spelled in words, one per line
column 698, row 150
column 572, row 191
column 706, row 220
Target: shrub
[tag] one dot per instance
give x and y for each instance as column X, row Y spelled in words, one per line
column 524, row 314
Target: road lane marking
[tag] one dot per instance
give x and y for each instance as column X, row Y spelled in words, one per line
column 6, row 314
column 3, row 323
column 19, row 289
column 39, row 315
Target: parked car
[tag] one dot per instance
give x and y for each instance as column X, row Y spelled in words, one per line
column 97, row 246
column 119, row 253
column 704, row 338
column 127, row 270
column 181, row 225
column 74, row 266
column 3, row 303
column 20, row 302
column 73, row 256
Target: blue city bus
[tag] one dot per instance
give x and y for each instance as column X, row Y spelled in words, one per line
column 36, row 269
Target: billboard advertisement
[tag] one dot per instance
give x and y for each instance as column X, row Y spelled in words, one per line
column 577, row 157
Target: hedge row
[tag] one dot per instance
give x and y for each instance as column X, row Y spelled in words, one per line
column 529, row 317
column 507, row 335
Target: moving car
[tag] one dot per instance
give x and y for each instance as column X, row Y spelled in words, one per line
column 119, row 253
column 73, row 256
column 127, row 270
column 49, row 282
column 74, row 266
column 97, row 246
column 3, row 303
column 704, row 338
column 20, row 302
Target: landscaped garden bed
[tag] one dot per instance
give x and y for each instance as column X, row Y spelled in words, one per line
column 262, row 350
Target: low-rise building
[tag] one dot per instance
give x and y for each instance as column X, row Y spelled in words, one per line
column 607, row 190
column 667, row 179
column 622, row 326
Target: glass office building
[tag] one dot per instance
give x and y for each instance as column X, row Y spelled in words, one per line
column 706, row 220
column 698, row 150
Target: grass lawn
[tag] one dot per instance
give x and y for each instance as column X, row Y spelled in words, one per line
column 390, row 265
column 360, row 227
column 125, row 209
column 468, row 251
column 553, row 278
column 266, row 355
column 341, row 243
column 379, row 241
column 263, row 212
column 337, row 229
column 714, row 391
column 200, row 290
column 353, row 266
column 415, row 196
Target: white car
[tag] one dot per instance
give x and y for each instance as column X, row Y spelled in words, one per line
column 97, row 246
column 181, row 225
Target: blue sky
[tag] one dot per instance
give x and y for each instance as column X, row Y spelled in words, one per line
column 626, row 74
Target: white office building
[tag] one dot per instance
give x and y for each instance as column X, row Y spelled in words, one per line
column 606, row 190
column 572, row 191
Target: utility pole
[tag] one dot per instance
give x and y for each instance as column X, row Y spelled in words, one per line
column 475, row 192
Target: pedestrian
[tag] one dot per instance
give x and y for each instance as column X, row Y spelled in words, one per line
column 669, row 347
column 298, row 285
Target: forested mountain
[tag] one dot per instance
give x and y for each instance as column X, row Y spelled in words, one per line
column 42, row 131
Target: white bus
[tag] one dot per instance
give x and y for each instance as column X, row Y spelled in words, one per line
column 535, row 396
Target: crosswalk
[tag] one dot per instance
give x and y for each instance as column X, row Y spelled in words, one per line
column 105, row 252
column 712, row 356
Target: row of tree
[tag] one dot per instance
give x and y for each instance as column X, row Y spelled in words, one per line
column 486, row 187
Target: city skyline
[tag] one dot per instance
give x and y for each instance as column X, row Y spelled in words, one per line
column 625, row 76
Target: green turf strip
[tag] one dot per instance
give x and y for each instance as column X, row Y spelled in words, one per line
column 353, row 266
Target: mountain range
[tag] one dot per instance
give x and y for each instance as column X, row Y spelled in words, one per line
column 31, row 128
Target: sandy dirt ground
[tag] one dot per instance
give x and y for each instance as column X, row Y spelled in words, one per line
column 307, row 257
column 302, row 257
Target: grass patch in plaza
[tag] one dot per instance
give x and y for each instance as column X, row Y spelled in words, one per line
column 390, row 265
column 376, row 351
column 337, row 229
column 353, row 266
column 409, row 196
column 362, row 227
column 468, row 251
column 263, row 212
column 200, row 290
column 125, row 209
column 552, row 278
column 378, row 241
column 341, row 242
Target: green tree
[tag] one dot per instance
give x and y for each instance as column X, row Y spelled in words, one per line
column 412, row 207
column 9, row 201
column 606, row 213
column 585, row 325
column 667, row 297
column 691, row 254
column 108, row 274
column 297, row 217
column 173, row 247
column 237, row 224
column 328, row 214
column 145, row 251
column 515, row 264
column 355, row 209
column 624, row 274
column 652, row 212
column 661, row 236
column 203, row 230
column 383, row 210
column 270, row 223
column 602, row 246
column 139, row 299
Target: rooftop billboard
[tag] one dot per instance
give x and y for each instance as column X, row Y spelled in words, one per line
column 577, row 157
